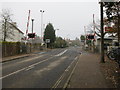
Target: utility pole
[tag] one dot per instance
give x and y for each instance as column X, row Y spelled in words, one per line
column 94, row 33
column 56, row 32
column 32, row 24
column 5, row 32
column 102, row 33
column 85, row 36
column 42, row 11
column 32, row 33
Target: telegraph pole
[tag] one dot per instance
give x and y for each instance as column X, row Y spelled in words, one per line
column 42, row 11
column 32, row 24
column 94, row 33
column 5, row 30
column 102, row 34
column 85, row 35
column 32, row 33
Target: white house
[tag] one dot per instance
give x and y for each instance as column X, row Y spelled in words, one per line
column 108, row 41
column 13, row 33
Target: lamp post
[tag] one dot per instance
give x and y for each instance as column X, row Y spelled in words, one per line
column 42, row 11
column 32, row 38
column 56, row 32
column 32, row 24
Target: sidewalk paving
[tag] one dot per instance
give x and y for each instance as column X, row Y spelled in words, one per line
column 9, row 58
column 5, row 59
column 87, row 73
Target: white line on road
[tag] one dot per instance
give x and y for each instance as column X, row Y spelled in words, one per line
column 33, row 65
column 67, row 82
column 29, row 68
column 61, row 53
column 27, row 60
column 24, row 68
column 63, row 75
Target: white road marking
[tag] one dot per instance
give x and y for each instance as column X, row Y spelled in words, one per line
column 61, row 53
column 63, row 75
column 29, row 68
column 65, row 85
column 41, row 53
column 28, row 59
column 33, row 65
column 50, row 66
column 24, row 68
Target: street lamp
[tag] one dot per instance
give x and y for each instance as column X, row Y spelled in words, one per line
column 32, row 38
column 56, row 32
column 42, row 11
column 32, row 24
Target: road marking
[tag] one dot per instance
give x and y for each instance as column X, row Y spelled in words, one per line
column 29, row 68
column 61, row 53
column 41, row 53
column 51, row 65
column 28, row 59
column 66, row 84
column 33, row 58
column 12, row 73
column 24, row 68
column 62, row 76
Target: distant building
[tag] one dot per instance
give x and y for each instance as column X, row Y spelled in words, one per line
column 107, row 42
column 14, row 34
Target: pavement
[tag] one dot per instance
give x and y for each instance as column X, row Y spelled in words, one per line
column 5, row 59
column 10, row 58
column 14, row 57
column 87, row 73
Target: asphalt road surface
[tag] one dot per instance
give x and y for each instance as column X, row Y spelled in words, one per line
column 50, row 69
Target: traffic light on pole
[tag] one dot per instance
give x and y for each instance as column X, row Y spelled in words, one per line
column 31, row 35
column 90, row 37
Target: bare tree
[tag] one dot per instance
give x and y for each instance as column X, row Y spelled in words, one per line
column 98, row 29
column 6, row 28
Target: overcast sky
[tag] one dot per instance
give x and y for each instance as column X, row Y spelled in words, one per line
column 69, row 17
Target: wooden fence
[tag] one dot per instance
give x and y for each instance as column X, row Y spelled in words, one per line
column 10, row 48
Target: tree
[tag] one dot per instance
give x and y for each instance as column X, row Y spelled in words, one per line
column 97, row 27
column 60, row 42
column 49, row 33
column 82, row 38
column 113, row 15
column 5, row 23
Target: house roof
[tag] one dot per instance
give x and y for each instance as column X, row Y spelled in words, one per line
column 16, row 28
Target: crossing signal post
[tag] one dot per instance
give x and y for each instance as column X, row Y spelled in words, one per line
column 90, row 37
column 31, row 35
column 90, row 40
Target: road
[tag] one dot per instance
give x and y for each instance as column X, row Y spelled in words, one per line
column 49, row 69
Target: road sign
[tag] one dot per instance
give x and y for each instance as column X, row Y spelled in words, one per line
column 47, row 40
column 107, row 29
column 90, row 37
column 31, row 35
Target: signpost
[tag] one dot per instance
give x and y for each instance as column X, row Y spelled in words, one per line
column 90, row 37
column 107, row 29
column 31, row 35
column 47, row 41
